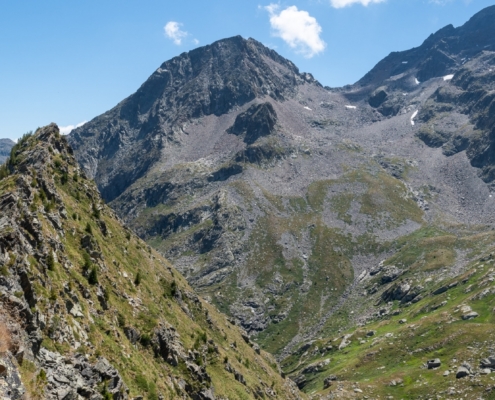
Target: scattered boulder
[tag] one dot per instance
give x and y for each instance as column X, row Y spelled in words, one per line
column 132, row 334
column 329, row 381
column 435, row 363
column 470, row 315
column 488, row 362
column 462, row 372
column 316, row 367
column 390, row 274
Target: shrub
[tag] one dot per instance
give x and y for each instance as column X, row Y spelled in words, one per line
column 145, row 339
column 53, row 295
column 64, row 178
column 137, row 280
column 88, row 228
column 106, row 293
column 173, row 288
column 48, row 206
column 50, row 261
column 87, row 262
column 4, row 270
column 42, row 195
column 121, row 320
column 141, row 382
column 96, row 211
column 4, row 170
column 93, row 276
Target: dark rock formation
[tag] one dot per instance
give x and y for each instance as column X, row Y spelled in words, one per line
column 257, row 121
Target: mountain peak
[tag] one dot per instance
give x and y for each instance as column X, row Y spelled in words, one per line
column 440, row 54
column 210, row 80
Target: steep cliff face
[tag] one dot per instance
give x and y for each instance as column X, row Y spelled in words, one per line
column 88, row 310
column 470, row 94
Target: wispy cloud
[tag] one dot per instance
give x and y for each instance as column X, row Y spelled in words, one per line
column 297, row 28
column 345, row 3
column 173, row 31
column 65, row 130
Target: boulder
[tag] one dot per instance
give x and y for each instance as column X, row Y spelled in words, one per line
column 470, row 315
column 435, row 363
column 488, row 362
column 329, row 381
column 390, row 273
column 462, row 372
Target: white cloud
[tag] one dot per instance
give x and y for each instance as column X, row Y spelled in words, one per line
column 345, row 3
column 173, row 31
column 65, row 130
column 297, row 28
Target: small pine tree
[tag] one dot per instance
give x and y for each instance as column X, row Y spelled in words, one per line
column 96, row 211
column 173, row 288
column 87, row 261
column 121, row 320
column 64, row 178
column 88, row 228
column 50, row 261
column 137, row 280
column 93, row 276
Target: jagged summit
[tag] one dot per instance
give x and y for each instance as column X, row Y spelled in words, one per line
column 121, row 145
column 440, row 54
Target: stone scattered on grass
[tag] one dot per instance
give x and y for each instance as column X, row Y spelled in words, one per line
column 435, row 363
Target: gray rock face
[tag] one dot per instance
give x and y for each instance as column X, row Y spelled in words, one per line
column 11, row 386
column 111, row 147
column 257, row 121
column 67, row 377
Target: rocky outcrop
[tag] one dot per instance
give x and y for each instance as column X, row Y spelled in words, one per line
column 257, row 121
column 70, row 313
column 73, row 377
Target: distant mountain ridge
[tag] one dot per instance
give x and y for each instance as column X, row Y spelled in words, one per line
column 5, row 147
column 442, row 53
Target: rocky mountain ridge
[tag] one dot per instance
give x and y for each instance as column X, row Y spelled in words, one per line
column 89, row 311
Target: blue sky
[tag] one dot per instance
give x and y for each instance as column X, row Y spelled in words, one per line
column 69, row 61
